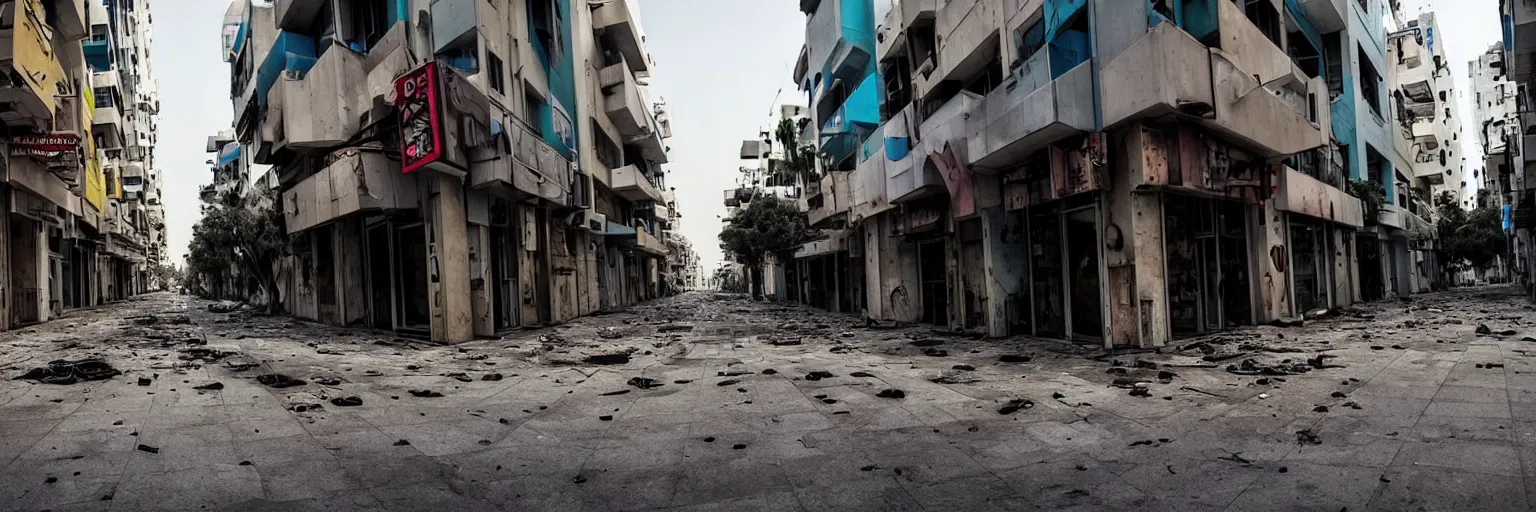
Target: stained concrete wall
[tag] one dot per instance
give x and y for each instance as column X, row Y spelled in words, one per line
column 1134, row 252
column 890, row 271
column 1270, row 255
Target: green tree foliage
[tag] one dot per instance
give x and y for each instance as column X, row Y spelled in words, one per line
column 767, row 225
column 799, row 159
column 248, row 236
column 1470, row 240
column 1371, row 195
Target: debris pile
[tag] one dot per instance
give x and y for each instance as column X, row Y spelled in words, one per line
column 66, row 372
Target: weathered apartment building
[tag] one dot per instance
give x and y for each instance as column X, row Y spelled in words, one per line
column 1494, row 103
column 1508, row 171
column 457, row 168
column 1109, row 172
column 84, row 222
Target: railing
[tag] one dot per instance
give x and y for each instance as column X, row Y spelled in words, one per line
column 1323, row 164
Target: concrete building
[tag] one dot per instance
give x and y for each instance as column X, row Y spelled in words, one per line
column 1494, row 101
column 1518, row 19
column 1115, row 173
column 84, row 220
column 456, row 168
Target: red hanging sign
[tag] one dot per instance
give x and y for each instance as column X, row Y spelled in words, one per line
column 421, row 133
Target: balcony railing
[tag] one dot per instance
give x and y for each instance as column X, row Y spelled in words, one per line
column 618, row 31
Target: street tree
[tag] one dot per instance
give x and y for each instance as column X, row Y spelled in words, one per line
column 249, row 236
column 767, row 225
column 1470, row 240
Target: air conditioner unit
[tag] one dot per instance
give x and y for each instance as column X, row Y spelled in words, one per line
column 589, row 220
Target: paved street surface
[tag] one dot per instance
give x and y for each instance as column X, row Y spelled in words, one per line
column 1409, row 409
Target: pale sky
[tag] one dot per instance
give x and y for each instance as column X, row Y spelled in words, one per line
column 723, row 67
column 1467, row 28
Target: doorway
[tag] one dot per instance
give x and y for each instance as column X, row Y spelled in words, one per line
column 934, row 287
column 1309, row 268
column 381, row 311
column 415, row 311
column 1369, row 249
column 504, row 266
column 1206, row 257
column 1048, row 287
column 1082, row 242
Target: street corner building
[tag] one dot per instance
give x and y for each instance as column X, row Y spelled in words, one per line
column 456, row 168
column 1504, row 77
column 1116, row 173
column 79, row 188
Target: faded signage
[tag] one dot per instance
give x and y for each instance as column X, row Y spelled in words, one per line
column 421, row 132
column 48, row 144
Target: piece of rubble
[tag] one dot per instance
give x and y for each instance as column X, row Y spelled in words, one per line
column 211, row 386
column 862, row 375
column 65, row 372
column 609, row 359
column 674, row 328
column 1015, row 358
column 934, row 352
column 347, row 401
column 1015, row 405
column 278, row 380
column 644, row 382
column 425, row 393
column 616, row 393
column 1482, row 329
column 818, row 375
column 148, row 449
column 891, row 393
column 1306, row 437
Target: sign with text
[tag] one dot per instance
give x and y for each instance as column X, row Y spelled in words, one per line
column 421, row 131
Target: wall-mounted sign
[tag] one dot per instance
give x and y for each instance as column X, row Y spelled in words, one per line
column 44, row 145
column 421, row 131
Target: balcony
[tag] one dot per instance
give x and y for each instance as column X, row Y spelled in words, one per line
column 70, row 19
column 850, row 122
column 299, row 15
column 1039, row 107
column 1169, row 71
column 835, row 242
column 631, row 114
column 967, row 38
column 829, row 200
column 617, row 30
column 98, row 51
column 325, row 98
column 1305, row 195
column 355, row 181
column 534, row 167
column 633, row 185
column 1327, row 15
column 27, row 53
column 840, row 41
column 648, row 243
column 1520, row 29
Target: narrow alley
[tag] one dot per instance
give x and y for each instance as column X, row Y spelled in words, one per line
column 710, row 401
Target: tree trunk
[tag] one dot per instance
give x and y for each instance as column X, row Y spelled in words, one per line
column 756, row 273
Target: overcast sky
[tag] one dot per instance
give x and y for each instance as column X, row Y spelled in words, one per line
column 1467, row 28
column 723, row 67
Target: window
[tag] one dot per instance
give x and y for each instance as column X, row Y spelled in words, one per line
column 495, row 69
column 1370, row 83
column 103, row 97
column 361, row 23
column 1028, row 39
column 533, row 111
column 1333, row 58
column 1263, row 15
column 1442, row 95
column 607, row 151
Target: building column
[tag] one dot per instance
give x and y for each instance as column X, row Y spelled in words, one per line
column 1270, row 249
column 1135, row 288
column 448, row 260
column 480, row 280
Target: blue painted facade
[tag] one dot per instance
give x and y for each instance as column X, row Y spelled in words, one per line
column 856, row 119
column 290, row 52
column 556, row 115
column 1354, row 124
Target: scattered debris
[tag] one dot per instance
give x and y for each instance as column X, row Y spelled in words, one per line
column 605, row 417
column 278, row 380
column 402, row 442
column 1307, row 437
column 891, row 393
column 934, row 352
column 616, row 393
column 211, row 386
column 674, row 328
column 425, row 393
column 609, row 359
column 645, row 383
column 347, row 401
column 1015, row 405
column 148, row 449
column 862, row 375
column 1015, row 358
column 1483, row 330
column 144, row 381
column 64, row 372
column 927, row 343
column 728, row 382
column 818, row 375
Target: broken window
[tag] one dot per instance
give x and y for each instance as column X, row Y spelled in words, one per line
column 496, row 71
column 1264, row 16
column 1370, row 82
column 1333, row 58
column 1028, row 39
column 898, row 90
column 362, row 23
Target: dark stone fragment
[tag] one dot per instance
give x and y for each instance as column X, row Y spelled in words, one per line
column 425, row 393
column 892, row 393
column 278, row 380
column 148, row 449
column 210, row 386
column 347, row 401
